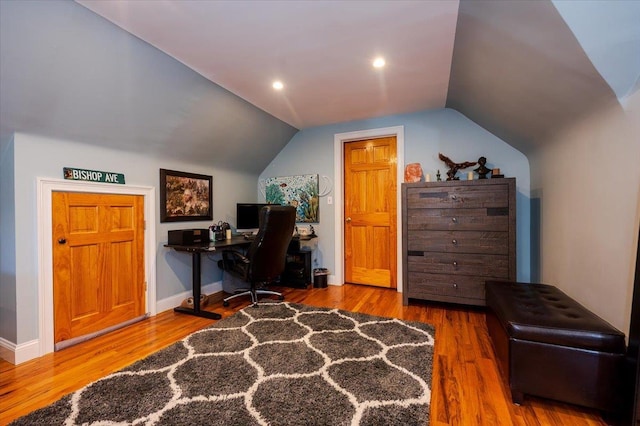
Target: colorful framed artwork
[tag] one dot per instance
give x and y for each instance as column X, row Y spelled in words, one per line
column 300, row 191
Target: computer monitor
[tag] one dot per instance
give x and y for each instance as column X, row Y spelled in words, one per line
column 248, row 217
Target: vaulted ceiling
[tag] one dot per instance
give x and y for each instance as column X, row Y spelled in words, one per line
column 201, row 71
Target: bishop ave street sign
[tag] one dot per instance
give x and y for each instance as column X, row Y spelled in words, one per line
column 93, row 175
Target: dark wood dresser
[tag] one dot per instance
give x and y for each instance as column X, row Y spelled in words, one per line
column 455, row 236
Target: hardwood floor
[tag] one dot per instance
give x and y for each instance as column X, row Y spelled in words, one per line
column 466, row 390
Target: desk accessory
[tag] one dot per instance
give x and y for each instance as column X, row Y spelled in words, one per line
column 188, row 237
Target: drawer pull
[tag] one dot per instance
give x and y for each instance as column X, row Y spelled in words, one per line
column 455, row 285
column 454, row 219
column 455, row 264
column 455, row 242
column 454, row 197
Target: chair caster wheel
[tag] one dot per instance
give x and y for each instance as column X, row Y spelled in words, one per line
column 225, row 303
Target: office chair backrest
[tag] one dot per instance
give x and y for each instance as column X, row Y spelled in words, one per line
column 268, row 250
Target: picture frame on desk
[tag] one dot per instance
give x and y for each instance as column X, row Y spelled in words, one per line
column 185, row 196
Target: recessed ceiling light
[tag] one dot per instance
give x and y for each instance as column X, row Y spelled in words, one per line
column 278, row 85
column 378, row 62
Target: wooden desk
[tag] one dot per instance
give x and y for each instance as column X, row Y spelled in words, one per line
column 196, row 279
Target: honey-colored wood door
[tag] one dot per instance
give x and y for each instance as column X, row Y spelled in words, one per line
column 98, row 261
column 370, row 192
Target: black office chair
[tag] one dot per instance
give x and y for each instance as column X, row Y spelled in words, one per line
column 265, row 259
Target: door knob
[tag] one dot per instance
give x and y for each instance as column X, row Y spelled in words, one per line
column 348, row 219
column 62, row 241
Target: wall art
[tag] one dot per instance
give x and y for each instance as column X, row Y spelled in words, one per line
column 185, row 196
column 300, row 191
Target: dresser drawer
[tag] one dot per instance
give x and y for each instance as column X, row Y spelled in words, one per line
column 446, row 288
column 491, row 196
column 487, row 219
column 459, row 242
column 456, row 235
column 480, row 265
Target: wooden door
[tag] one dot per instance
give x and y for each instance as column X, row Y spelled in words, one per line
column 370, row 193
column 98, row 261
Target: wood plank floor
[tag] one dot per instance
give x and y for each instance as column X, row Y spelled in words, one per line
column 467, row 388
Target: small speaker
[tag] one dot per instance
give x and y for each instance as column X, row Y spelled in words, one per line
column 188, row 237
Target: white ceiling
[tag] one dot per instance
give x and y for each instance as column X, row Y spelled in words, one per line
column 518, row 69
column 321, row 50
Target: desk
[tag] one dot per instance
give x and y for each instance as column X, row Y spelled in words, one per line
column 196, row 279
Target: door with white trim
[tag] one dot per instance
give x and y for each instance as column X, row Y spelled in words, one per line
column 370, row 213
column 98, row 261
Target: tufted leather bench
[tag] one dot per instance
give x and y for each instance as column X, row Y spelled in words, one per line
column 550, row 346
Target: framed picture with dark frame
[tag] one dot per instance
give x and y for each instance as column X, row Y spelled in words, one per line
column 185, row 196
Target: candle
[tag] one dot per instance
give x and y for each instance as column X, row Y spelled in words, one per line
column 427, row 177
column 228, row 234
column 470, row 176
column 495, row 172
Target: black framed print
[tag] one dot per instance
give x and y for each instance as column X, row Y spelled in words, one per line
column 185, row 196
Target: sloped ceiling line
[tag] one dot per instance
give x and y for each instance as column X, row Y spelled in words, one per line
column 68, row 70
column 519, row 72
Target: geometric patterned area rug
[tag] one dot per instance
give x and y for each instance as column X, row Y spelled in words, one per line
column 277, row 364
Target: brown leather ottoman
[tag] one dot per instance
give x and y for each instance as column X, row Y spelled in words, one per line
column 550, row 346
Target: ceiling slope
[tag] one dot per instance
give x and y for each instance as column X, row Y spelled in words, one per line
column 191, row 79
column 609, row 32
column 519, row 72
column 321, row 50
column 68, row 73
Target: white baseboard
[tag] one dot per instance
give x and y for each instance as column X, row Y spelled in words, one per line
column 176, row 300
column 17, row 354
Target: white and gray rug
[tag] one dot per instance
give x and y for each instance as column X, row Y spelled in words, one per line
column 278, row 364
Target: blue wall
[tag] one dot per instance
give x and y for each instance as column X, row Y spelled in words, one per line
column 8, row 329
column 426, row 134
column 21, row 257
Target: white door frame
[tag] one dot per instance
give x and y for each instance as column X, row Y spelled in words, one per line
column 338, row 166
column 45, row 245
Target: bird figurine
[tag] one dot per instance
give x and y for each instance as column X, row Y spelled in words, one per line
column 454, row 167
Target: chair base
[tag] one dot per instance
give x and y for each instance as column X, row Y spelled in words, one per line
column 253, row 292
